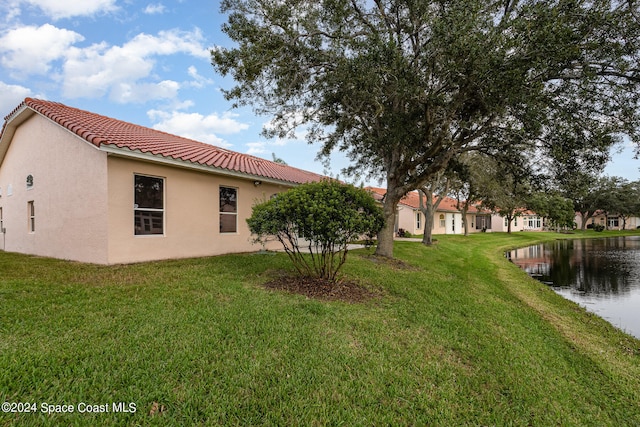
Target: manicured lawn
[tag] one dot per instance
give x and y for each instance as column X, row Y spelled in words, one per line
column 462, row 337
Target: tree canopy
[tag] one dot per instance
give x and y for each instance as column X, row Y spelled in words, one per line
column 404, row 86
column 557, row 210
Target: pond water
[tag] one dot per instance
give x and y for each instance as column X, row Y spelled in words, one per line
column 602, row 275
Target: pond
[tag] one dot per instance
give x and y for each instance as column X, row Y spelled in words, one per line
column 602, row 275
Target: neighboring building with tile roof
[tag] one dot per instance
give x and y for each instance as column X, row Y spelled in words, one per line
column 610, row 221
column 448, row 217
column 447, row 220
column 81, row 186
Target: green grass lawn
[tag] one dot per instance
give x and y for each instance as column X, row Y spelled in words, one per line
column 461, row 338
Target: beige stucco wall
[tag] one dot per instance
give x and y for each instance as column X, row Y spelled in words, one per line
column 407, row 221
column 191, row 201
column 631, row 224
column 498, row 224
column 69, row 194
column 440, row 223
column 471, row 223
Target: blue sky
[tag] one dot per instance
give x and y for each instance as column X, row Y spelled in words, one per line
column 146, row 63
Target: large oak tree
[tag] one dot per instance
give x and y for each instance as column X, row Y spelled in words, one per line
column 405, row 86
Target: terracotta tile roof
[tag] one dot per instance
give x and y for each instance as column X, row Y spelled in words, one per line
column 412, row 200
column 104, row 131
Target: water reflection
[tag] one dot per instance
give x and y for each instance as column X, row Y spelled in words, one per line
column 601, row 274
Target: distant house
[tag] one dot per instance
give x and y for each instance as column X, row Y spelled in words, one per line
column 525, row 221
column 80, row 186
column 609, row 221
column 447, row 219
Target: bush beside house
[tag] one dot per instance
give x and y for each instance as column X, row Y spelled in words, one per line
column 315, row 222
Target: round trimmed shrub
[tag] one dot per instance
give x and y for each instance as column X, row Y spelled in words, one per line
column 315, row 222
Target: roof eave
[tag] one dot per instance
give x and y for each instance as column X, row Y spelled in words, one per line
column 11, row 123
column 169, row 161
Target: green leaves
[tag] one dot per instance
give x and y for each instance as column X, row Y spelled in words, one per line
column 318, row 219
column 404, row 86
column 556, row 209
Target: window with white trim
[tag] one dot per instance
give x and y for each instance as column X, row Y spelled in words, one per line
column 442, row 221
column 418, row 220
column 1, row 222
column 148, row 208
column 534, row 222
column 228, row 210
column 31, row 217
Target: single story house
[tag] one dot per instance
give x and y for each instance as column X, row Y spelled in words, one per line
column 447, row 220
column 80, row 186
column 448, row 217
column 525, row 221
column 609, row 221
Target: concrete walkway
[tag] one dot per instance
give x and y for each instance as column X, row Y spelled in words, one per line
column 357, row 246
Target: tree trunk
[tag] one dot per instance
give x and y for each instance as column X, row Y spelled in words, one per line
column 428, row 208
column 427, row 237
column 585, row 216
column 385, row 236
column 509, row 219
column 465, row 209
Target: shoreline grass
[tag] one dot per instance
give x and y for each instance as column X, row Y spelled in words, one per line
column 462, row 338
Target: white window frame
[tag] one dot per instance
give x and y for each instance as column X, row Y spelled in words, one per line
column 235, row 214
column 138, row 209
column 418, row 220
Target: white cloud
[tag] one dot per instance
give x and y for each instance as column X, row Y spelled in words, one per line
column 167, row 43
column 198, row 80
column 153, row 9
column 142, row 92
column 10, row 10
column 57, row 9
column 298, row 130
column 125, row 73
column 256, row 148
column 183, row 105
column 12, row 96
column 196, row 126
column 31, row 50
column 121, row 71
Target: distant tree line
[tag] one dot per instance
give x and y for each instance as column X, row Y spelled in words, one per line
column 510, row 189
